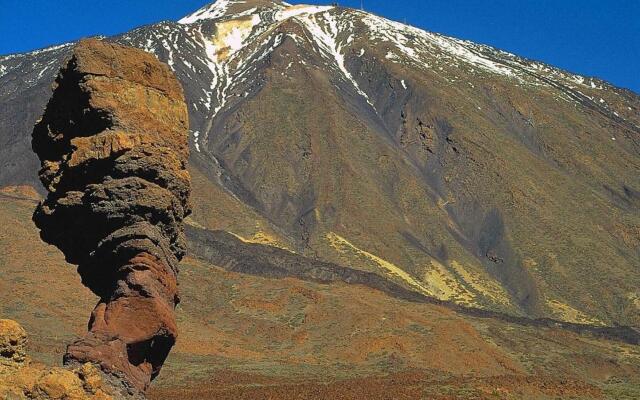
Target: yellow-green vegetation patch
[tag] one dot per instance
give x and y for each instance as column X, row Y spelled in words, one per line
column 343, row 245
column 567, row 313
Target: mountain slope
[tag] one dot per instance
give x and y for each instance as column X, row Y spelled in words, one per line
column 456, row 170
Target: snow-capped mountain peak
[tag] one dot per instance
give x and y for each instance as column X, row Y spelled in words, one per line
column 222, row 47
column 225, row 44
column 231, row 7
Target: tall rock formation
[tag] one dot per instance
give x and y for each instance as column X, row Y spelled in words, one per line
column 113, row 149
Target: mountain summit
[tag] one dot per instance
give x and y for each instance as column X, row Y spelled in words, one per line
column 222, row 8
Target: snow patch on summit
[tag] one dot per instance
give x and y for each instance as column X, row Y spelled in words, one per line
column 213, row 11
column 418, row 44
column 302, row 9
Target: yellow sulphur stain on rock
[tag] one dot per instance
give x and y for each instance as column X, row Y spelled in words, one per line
column 567, row 313
column 438, row 281
column 230, row 35
column 264, row 238
column 445, row 285
column 634, row 297
column 343, row 245
column 482, row 283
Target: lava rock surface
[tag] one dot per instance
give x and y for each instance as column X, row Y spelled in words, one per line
column 113, row 149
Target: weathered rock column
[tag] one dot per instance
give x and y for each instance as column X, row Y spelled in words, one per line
column 113, row 142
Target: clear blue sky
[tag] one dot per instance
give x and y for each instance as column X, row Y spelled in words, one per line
column 592, row 37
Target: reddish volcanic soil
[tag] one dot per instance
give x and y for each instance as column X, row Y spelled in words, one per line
column 409, row 386
column 247, row 337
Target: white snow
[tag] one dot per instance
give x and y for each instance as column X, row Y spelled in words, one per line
column 35, row 52
column 404, row 85
column 213, row 11
column 390, row 31
column 295, row 11
column 417, row 47
column 51, row 66
column 578, row 79
column 210, row 62
column 167, row 47
column 234, row 39
column 250, row 11
column 454, row 47
column 295, row 37
column 45, row 50
column 149, row 46
column 195, row 140
column 221, row 7
column 326, row 37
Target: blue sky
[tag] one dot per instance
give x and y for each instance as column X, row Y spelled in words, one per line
column 592, row 37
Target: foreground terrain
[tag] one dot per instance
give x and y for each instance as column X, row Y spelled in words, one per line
column 247, row 336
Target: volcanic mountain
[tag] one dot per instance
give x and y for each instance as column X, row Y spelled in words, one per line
column 339, row 155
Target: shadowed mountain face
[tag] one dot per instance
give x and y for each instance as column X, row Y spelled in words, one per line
column 444, row 167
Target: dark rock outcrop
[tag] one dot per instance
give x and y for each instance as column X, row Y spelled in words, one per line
column 113, row 149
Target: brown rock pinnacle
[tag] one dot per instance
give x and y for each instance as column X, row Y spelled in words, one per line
column 113, row 143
